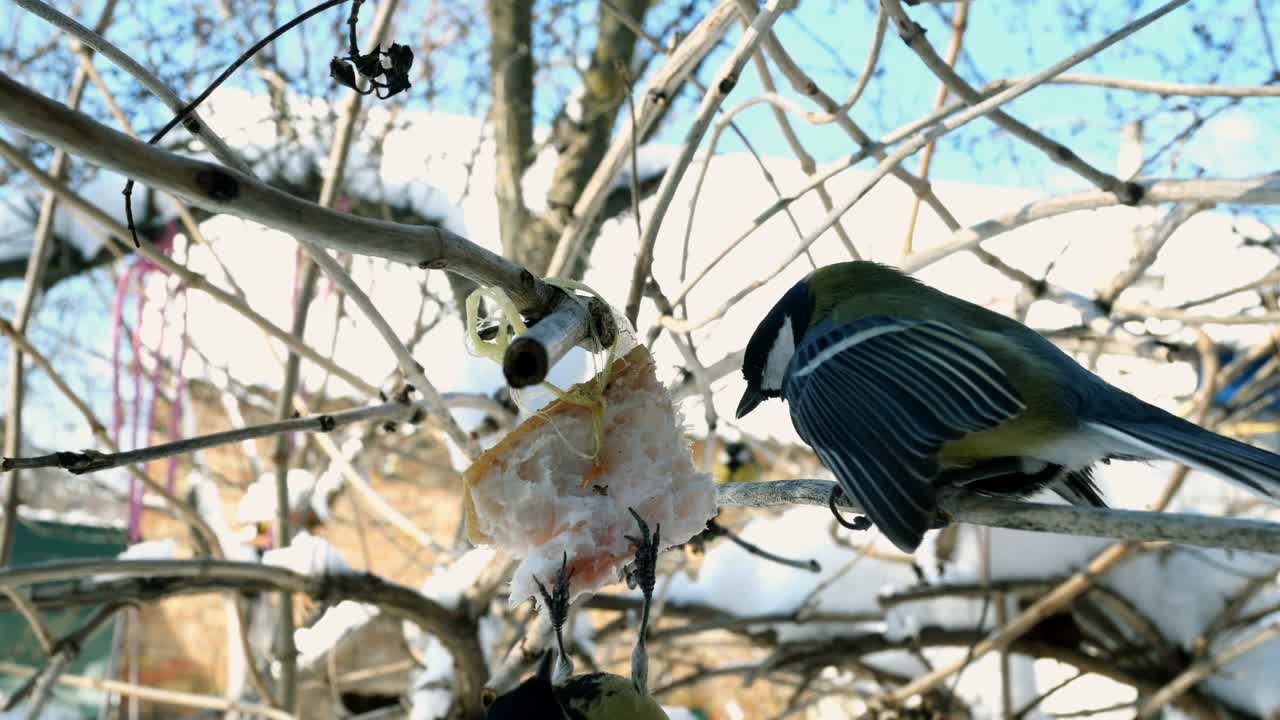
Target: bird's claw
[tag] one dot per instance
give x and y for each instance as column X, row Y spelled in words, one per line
column 557, row 601
column 859, row 522
column 941, row 519
column 645, row 575
column 646, row 563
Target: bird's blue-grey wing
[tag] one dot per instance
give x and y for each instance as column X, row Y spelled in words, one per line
column 877, row 398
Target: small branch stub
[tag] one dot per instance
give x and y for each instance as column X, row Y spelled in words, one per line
column 529, row 358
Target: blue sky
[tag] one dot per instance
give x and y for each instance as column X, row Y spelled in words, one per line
column 1013, row 39
column 1204, row 41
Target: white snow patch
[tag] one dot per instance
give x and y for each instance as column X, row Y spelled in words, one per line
column 313, row 642
column 307, row 554
column 166, row 549
column 449, row 583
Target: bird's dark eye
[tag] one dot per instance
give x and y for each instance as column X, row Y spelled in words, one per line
column 487, row 697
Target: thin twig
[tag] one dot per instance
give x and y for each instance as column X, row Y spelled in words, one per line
column 167, row 697
column 1167, row 89
column 959, row 23
column 716, row 529
column 807, row 165
column 951, row 123
column 1202, row 669
column 802, row 83
column 89, row 461
column 33, row 283
column 913, row 35
column 725, row 80
column 864, row 77
column 203, row 531
column 822, row 175
column 657, row 95
column 24, row 608
column 1260, row 190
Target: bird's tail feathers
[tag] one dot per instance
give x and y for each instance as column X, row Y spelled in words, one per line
column 1173, row 438
column 1078, row 488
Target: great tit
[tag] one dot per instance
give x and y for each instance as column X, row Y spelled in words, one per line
column 595, row 696
column 901, row 388
column 736, row 463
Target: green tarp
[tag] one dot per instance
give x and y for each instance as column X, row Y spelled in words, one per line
column 40, row 541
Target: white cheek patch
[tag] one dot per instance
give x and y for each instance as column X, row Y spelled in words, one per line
column 775, row 367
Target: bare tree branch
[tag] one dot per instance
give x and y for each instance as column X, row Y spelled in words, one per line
column 90, row 461
column 511, row 79
column 226, row 190
column 1129, row 525
column 192, row 280
column 452, row 630
column 201, row 528
column 583, row 140
column 725, row 80
column 656, row 96
column 33, row 284
column 1262, row 190
column 913, row 35
column 167, row 697
column 1206, row 667
column 1160, row 88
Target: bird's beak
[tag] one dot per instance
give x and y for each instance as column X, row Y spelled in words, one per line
column 750, row 399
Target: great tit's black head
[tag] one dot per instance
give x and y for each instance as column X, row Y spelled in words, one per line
column 534, row 699
column 769, row 351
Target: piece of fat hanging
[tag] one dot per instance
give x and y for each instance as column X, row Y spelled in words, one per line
column 563, row 480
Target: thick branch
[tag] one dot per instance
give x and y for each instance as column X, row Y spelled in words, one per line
column 654, row 99
column 511, row 79
column 1202, row 530
column 225, row 190
column 529, row 357
column 583, row 140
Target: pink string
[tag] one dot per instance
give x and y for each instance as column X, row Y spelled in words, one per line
column 135, row 486
column 175, row 409
column 138, row 273
column 157, row 366
column 117, row 310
